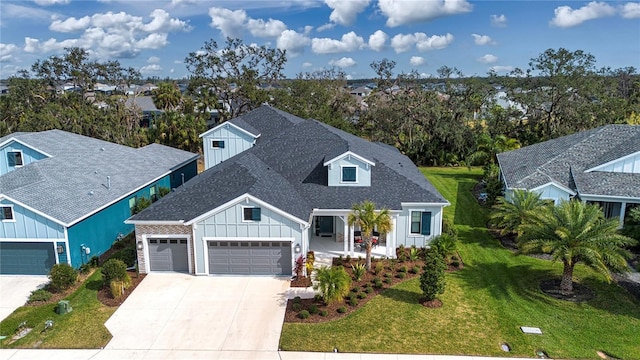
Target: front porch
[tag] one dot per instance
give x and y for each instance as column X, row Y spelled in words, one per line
column 330, row 247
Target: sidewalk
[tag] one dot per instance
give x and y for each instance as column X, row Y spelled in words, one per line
column 29, row 354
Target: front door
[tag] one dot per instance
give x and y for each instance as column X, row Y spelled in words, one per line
column 324, row 226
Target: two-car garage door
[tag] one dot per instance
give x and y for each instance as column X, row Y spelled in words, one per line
column 250, row 257
column 26, row 258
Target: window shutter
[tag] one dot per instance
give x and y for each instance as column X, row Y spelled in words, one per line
column 221, row 144
column 11, row 158
column 426, row 223
column 256, row 214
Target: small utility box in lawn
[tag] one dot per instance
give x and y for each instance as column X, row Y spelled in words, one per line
column 63, row 307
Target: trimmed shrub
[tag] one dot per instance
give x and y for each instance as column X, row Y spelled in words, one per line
column 128, row 255
column 85, row 268
column 297, row 299
column 39, row 295
column 377, row 283
column 348, row 259
column 342, row 309
column 432, row 280
column 296, row 307
column 323, row 313
column 317, row 298
column 455, row 263
column 114, row 269
column 355, row 289
column 368, row 289
column 117, row 288
column 415, row 269
column 361, row 295
column 403, row 269
column 94, row 261
column 62, row 277
column 378, row 268
column 387, row 280
column 401, row 253
column 387, row 275
column 313, row 309
column 353, row 302
column 303, row 314
column 401, row 275
column 353, row 297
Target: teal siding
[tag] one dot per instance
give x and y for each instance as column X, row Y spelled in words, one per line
column 235, row 142
column 190, row 170
column 28, row 156
column 29, row 225
column 100, row 230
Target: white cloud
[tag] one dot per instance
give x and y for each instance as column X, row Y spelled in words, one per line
column 266, row 29
column 345, row 12
column 9, row 70
column 417, row 61
column 349, row 42
column 502, row 68
column 307, row 29
column 482, row 40
column 565, row 16
column 293, row 42
column 378, row 40
column 150, row 69
column 162, row 21
column 178, row 62
column 488, row 59
column 152, row 41
column 172, row 71
column 404, row 42
column 52, row 2
column 344, row 62
column 6, row 52
column 499, row 20
column 11, row 10
column 183, row 2
column 230, row 23
column 307, row 64
column 401, row 12
column 630, row 10
column 153, row 60
column 327, row 26
column 71, row 24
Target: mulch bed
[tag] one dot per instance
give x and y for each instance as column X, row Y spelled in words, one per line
column 389, row 277
column 104, row 294
column 301, row 282
column 57, row 296
column 580, row 293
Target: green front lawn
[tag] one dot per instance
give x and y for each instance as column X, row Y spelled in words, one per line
column 83, row 328
column 484, row 304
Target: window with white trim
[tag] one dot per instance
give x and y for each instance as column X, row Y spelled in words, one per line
column 6, row 213
column 420, row 223
column 217, row 144
column 14, row 158
column 251, row 214
column 349, row 174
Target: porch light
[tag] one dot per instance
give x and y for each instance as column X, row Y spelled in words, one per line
column 139, row 245
column 297, row 248
column 60, row 249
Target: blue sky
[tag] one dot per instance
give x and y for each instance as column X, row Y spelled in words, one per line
column 474, row 36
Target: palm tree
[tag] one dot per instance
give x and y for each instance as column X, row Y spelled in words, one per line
column 574, row 232
column 167, row 96
column 488, row 147
column 333, row 283
column 509, row 214
column 366, row 217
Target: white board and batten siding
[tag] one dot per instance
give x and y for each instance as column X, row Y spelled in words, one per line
column 27, row 154
column 629, row 164
column 403, row 226
column 235, row 141
column 229, row 224
column 547, row 192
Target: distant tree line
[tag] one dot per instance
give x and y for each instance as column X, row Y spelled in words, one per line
column 448, row 120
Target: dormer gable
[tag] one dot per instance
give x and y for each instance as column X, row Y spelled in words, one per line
column 629, row 164
column 349, row 169
column 15, row 154
column 225, row 141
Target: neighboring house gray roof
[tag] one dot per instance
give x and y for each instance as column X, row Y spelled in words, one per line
column 287, row 171
column 73, row 182
column 564, row 161
column 143, row 103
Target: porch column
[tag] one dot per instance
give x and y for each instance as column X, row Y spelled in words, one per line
column 391, row 246
column 623, row 209
column 347, row 234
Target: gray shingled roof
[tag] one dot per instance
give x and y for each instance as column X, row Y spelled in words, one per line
column 564, row 161
column 287, row 171
column 73, row 182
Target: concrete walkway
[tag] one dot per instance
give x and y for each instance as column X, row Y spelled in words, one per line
column 27, row 354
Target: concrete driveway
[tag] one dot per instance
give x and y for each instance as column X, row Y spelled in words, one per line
column 171, row 311
column 15, row 291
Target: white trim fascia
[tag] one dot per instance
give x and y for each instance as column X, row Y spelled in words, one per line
column 349, row 153
column 594, row 197
column 227, row 123
column 340, row 212
column 30, row 240
column 240, row 199
column 66, row 243
column 154, row 222
column 117, row 199
column 418, row 204
column 565, row 189
column 25, row 144
column 3, row 196
column 596, row 168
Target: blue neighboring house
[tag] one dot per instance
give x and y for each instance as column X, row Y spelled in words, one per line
column 276, row 186
column 64, row 197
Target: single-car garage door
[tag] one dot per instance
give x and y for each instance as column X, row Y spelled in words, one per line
column 168, row 255
column 26, row 258
column 250, row 257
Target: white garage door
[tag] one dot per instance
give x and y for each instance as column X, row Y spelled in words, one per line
column 250, row 257
column 168, row 255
